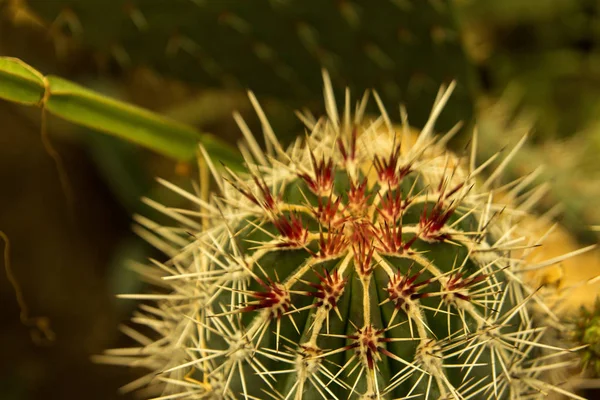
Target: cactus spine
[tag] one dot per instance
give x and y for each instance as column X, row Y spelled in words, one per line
column 362, row 262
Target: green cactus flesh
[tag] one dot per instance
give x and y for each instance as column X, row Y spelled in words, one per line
column 586, row 333
column 277, row 48
column 360, row 263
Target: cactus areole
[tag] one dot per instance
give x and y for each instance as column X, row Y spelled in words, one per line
column 363, row 262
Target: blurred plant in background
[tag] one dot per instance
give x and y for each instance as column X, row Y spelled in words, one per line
column 518, row 65
column 540, row 63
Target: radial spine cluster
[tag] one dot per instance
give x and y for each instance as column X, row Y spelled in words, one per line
column 364, row 262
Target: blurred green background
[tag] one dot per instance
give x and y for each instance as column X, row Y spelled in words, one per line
column 519, row 65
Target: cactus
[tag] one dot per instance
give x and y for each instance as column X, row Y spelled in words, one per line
column 362, row 262
column 275, row 47
column 586, row 332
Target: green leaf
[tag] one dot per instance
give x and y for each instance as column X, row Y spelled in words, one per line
column 21, row 83
column 85, row 107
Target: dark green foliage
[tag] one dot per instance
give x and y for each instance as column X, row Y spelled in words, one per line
column 404, row 49
column 587, row 333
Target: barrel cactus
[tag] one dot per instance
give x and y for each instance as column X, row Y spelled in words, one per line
column 362, row 262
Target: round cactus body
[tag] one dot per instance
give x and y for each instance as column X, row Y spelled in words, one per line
column 364, row 262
